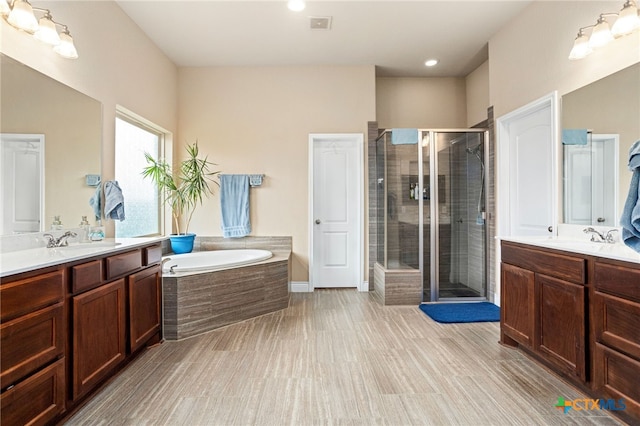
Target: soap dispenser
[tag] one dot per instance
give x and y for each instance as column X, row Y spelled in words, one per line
column 86, row 229
column 57, row 224
column 97, row 232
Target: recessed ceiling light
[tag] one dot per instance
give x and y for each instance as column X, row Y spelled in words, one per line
column 296, row 5
column 431, row 62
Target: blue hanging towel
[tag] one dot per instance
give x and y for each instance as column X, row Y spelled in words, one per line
column 574, row 136
column 96, row 202
column 113, row 201
column 404, row 136
column 630, row 219
column 234, row 205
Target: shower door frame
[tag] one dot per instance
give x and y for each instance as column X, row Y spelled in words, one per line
column 434, row 253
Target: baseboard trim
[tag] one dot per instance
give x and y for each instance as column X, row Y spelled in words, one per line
column 300, row 287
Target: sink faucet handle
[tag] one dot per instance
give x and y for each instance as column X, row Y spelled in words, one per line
column 609, row 236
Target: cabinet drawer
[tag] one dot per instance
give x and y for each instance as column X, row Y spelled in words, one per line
column 122, row 264
column 152, row 255
column 617, row 322
column 616, row 376
column 27, row 295
column 568, row 268
column 86, row 276
column 37, row 400
column 29, row 342
column 618, row 280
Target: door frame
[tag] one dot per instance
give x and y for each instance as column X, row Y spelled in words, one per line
column 331, row 137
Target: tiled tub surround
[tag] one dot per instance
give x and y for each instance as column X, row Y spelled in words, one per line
column 201, row 302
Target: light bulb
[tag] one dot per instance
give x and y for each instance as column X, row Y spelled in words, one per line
column 66, row 49
column 22, row 16
column 47, row 31
column 296, row 5
column 601, row 34
column 628, row 20
column 580, row 47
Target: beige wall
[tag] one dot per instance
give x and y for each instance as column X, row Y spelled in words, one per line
column 528, row 57
column 421, row 102
column 477, row 94
column 258, row 120
column 118, row 64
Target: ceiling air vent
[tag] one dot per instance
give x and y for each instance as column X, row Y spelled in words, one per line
column 320, row 22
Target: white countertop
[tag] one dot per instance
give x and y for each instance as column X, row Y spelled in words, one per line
column 617, row 251
column 15, row 262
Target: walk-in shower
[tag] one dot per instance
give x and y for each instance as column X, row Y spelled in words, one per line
column 431, row 220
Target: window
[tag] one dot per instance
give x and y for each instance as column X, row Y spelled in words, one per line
column 142, row 200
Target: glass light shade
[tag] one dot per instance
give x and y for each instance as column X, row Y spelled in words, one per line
column 22, row 16
column 628, row 20
column 580, row 47
column 66, row 49
column 601, row 34
column 296, row 5
column 4, row 8
column 47, row 31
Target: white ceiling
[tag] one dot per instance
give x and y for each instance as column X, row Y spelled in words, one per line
column 396, row 36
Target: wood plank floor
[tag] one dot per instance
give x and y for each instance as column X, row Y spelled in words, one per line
column 337, row 357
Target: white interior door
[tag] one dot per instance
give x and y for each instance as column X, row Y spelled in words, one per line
column 22, row 174
column 528, row 162
column 336, row 210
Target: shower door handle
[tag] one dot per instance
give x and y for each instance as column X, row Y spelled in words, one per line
column 317, row 221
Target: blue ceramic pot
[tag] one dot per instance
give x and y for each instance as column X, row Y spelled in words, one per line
column 182, row 243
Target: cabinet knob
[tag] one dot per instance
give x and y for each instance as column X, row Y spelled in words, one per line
column 550, row 229
column 600, row 219
column 317, row 221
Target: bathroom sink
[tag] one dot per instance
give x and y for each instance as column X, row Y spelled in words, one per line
column 89, row 246
column 575, row 245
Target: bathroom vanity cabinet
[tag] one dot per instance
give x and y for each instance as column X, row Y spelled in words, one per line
column 543, row 306
column 67, row 329
column 578, row 314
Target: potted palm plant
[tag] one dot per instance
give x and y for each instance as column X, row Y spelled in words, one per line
column 182, row 191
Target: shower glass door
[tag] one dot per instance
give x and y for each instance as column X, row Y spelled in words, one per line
column 455, row 225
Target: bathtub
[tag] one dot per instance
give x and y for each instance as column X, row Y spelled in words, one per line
column 203, row 261
column 212, row 289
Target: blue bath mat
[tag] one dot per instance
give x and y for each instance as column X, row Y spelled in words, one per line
column 462, row 312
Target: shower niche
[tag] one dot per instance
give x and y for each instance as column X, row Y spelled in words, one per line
column 431, row 232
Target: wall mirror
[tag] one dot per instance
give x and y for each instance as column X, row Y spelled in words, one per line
column 70, row 126
column 595, row 174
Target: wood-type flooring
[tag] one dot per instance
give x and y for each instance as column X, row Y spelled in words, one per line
column 337, row 357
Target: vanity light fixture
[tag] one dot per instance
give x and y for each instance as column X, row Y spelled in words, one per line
column 626, row 22
column 20, row 14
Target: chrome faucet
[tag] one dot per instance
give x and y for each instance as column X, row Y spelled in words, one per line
column 602, row 238
column 61, row 241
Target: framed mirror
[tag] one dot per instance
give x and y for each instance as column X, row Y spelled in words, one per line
column 600, row 122
column 68, row 125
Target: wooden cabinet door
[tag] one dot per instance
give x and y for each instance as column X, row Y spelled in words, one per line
column 562, row 321
column 36, row 400
column 517, row 305
column 98, row 335
column 144, row 306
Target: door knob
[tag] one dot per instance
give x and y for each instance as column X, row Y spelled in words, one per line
column 317, row 221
